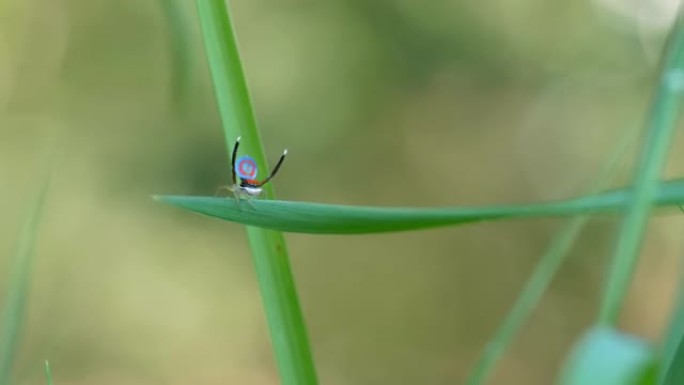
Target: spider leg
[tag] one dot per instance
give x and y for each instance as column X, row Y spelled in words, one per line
column 275, row 169
column 240, row 197
column 222, row 188
column 232, row 159
column 248, row 200
column 236, row 194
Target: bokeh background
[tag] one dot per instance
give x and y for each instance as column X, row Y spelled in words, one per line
column 384, row 102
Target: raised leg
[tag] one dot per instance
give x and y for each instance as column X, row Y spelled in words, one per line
column 232, row 159
column 275, row 169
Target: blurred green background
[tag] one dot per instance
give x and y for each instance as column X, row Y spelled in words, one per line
column 386, row 102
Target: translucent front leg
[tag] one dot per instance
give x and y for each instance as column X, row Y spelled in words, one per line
column 248, row 200
column 237, row 194
column 221, row 188
column 241, row 196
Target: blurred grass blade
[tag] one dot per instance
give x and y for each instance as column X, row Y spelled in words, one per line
column 533, row 291
column 661, row 124
column 608, row 357
column 543, row 274
column 17, row 290
column 179, row 46
column 674, row 367
column 672, row 351
column 48, row 374
column 283, row 312
column 315, row 218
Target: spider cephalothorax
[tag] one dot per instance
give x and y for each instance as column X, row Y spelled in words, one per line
column 245, row 169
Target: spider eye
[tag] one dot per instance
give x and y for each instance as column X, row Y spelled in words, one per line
column 246, row 168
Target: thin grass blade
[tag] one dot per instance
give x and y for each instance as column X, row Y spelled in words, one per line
column 48, row 374
column 671, row 350
column 661, row 124
column 17, row 290
column 179, row 46
column 543, row 274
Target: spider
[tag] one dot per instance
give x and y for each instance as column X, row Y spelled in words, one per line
column 245, row 168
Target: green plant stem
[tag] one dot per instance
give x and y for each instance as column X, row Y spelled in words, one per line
column 661, row 125
column 17, row 290
column 283, row 313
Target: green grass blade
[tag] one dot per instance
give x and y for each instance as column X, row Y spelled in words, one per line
column 17, row 290
column 283, row 312
column 529, row 297
column 672, row 349
column 661, row 125
column 180, row 52
column 230, row 85
column 541, row 278
column 315, row 218
column 674, row 369
column 48, row 374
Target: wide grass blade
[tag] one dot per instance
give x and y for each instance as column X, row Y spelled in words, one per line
column 17, row 290
column 674, row 367
column 608, row 357
column 283, row 313
column 316, row 218
column 661, row 125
